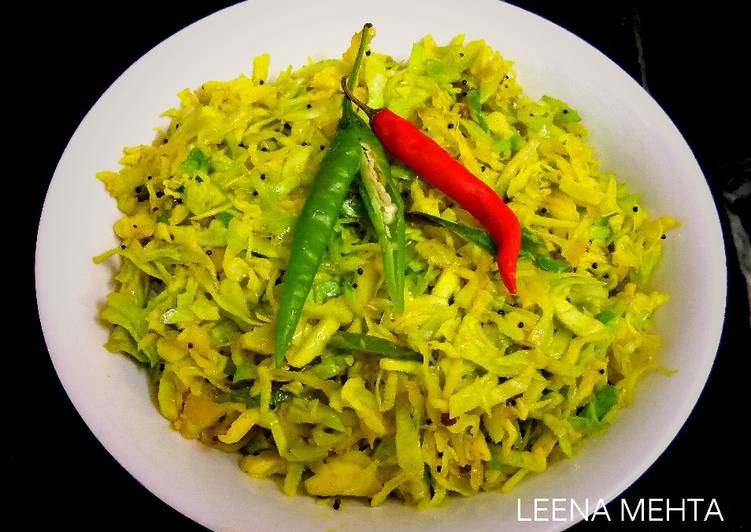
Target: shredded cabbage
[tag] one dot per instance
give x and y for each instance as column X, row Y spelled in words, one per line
column 499, row 387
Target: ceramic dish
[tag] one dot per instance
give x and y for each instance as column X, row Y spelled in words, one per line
column 633, row 137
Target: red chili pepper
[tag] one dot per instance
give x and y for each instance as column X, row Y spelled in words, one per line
column 431, row 162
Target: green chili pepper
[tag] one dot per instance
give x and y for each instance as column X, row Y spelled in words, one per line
column 476, row 236
column 530, row 242
column 551, row 265
column 381, row 198
column 373, row 346
column 312, row 233
column 385, row 208
column 319, row 214
column 531, row 251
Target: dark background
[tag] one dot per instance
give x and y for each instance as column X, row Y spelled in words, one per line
column 691, row 62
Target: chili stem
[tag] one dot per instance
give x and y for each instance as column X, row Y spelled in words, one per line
column 352, row 80
column 367, row 110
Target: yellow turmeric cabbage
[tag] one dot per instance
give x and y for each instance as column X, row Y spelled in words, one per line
column 505, row 385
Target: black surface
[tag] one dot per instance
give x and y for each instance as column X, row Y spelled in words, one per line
column 691, row 63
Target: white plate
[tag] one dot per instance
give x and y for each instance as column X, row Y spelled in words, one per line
column 632, row 135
